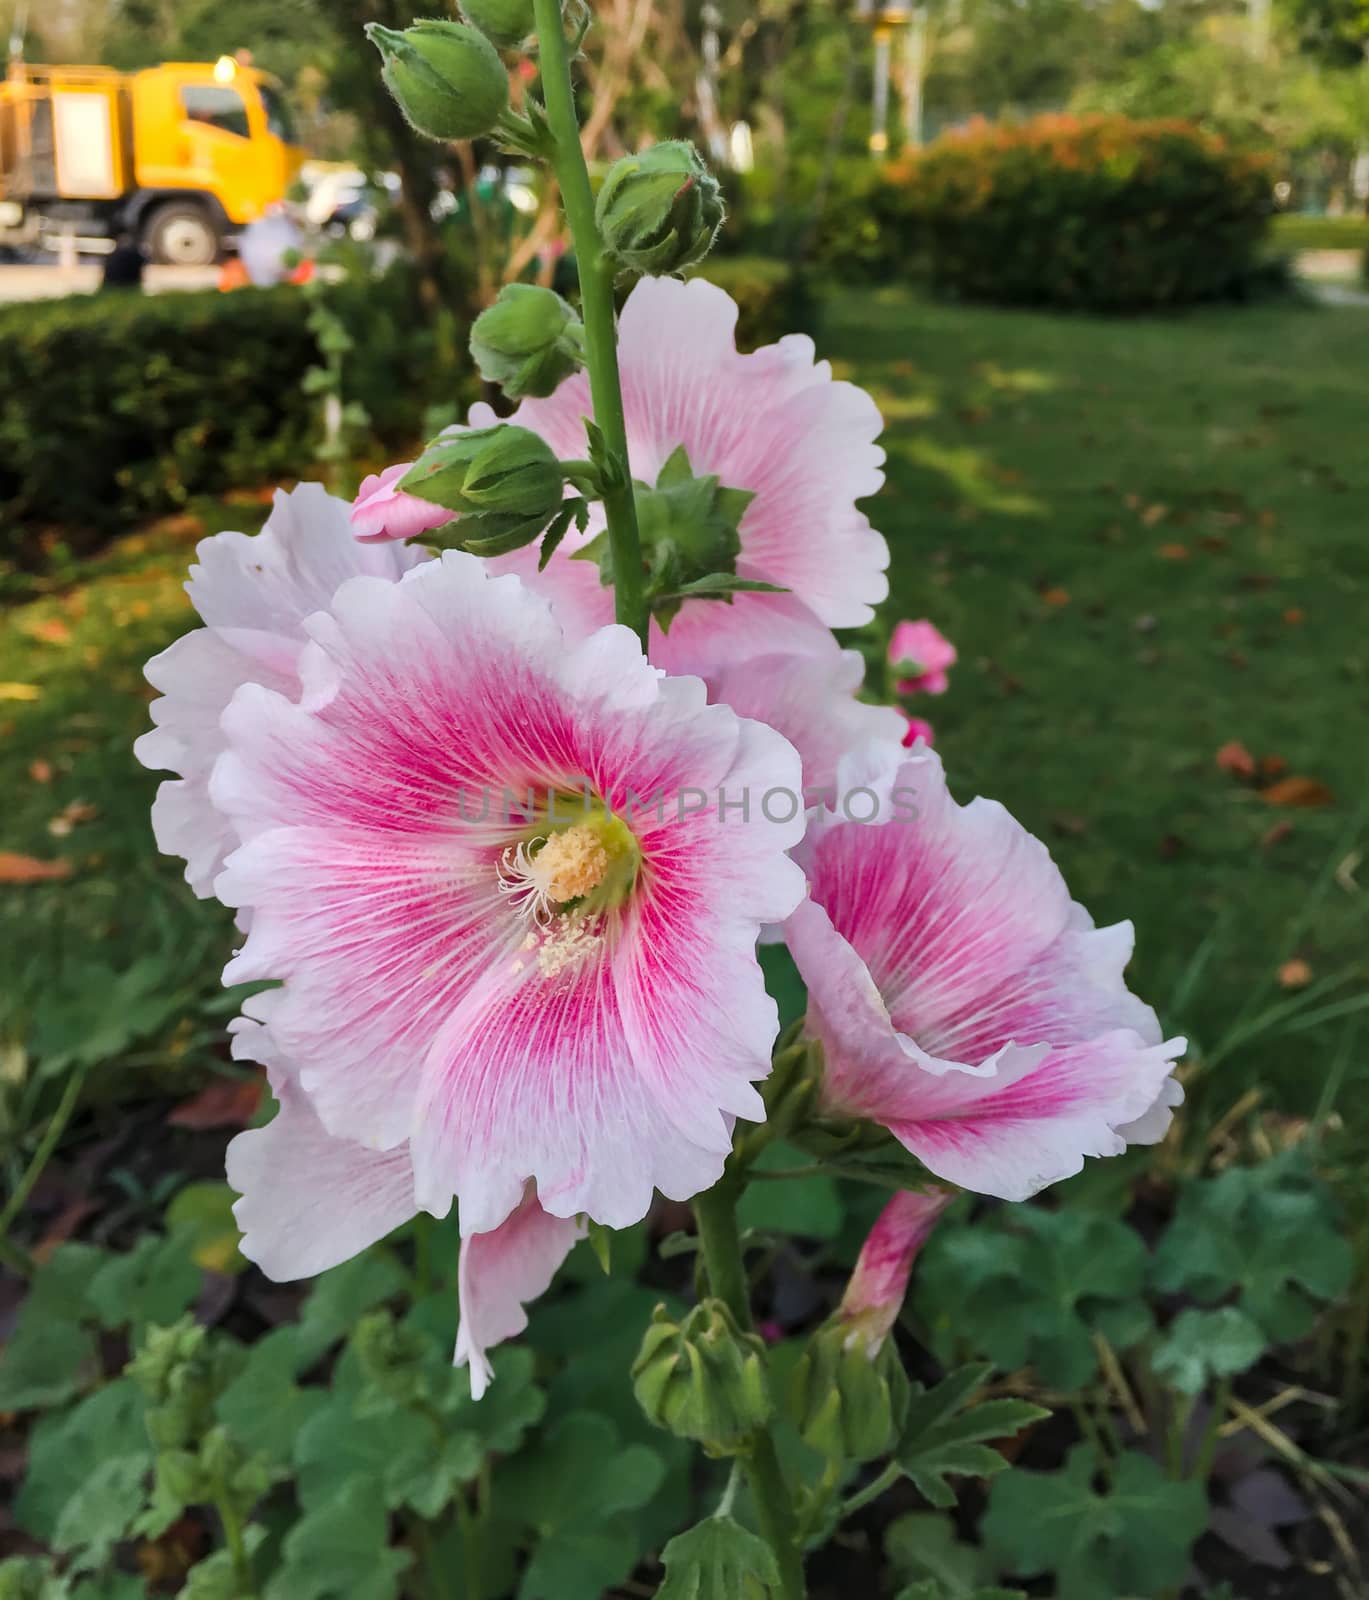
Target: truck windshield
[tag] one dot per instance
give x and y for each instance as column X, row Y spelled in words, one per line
column 277, row 113
column 217, row 106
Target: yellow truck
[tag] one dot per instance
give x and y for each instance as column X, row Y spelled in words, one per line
column 179, row 155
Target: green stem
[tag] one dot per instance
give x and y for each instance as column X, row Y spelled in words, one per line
column 472, row 1567
column 1207, row 1447
column 244, row 1578
column 596, row 310
column 872, row 1490
column 41, row 1156
column 716, row 1214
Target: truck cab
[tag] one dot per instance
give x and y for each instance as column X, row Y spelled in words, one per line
column 180, row 155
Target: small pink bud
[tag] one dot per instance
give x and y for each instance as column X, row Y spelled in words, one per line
column 917, row 729
column 381, row 511
column 874, row 1296
column 919, row 654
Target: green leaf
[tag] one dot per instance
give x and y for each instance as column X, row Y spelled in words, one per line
column 201, row 1216
column 340, row 1551
column 1065, row 1274
column 49, row 1357
column 718, row 1560
column 571, row 1491
column 343, row 1296
column 154, row 1282
column 1130, row 1538
column 1199, row 1345
column 102, row 1510
column 512, row 1404
column 67, row 1448
column 31, row 1578
column 941, row 1439
column 216, row 1577
column 810, row 1207
column 265, row 1407
column 924, row 1547
column 1268, row 1233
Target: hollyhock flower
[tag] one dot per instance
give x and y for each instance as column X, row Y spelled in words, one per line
column 963, row 1000
column 253, row 594
column 382, row 511
column 514, row 924
column 919, row 654
column 874, row 1294
column 772, row 422
column 310, row 1201
column 915, row 728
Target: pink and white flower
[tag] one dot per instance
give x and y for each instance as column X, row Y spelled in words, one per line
column 310, row 1201
column 382, row 511
column 874, row 1294
column 919, row 654
column 566, row 997
column 253, row 594
column 963, row 1000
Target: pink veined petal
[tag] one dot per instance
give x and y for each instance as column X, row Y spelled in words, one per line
column 418, row 1003
column 253, row 593
column 963, row 1001
column 310, row 1201
column 500, row 1272
column 874, row 1294
column 921, row 653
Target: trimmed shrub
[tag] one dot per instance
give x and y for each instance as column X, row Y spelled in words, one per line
column 1099, row 213
column 116, row 404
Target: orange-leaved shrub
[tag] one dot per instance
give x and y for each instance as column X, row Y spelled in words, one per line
column 1102, row 212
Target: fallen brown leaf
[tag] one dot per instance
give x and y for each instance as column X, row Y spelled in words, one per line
column 1056, row 596
column 1294, row 615
column 1173, row 552
column 1235, row 758
column 1153, row 514
column 1298, row 791
column 40, row 771
column 1277, row 834
column 29, row 869
column 222, row 1103
column 20, row 691
column 1295, row 974
column 1272, row 766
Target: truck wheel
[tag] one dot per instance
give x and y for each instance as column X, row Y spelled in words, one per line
column 181, row 236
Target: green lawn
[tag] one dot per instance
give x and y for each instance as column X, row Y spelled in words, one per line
column 1147, row 538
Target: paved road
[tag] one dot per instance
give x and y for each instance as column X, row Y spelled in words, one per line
column 50, row 282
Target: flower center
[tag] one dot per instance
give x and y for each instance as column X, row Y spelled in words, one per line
column 584, row 867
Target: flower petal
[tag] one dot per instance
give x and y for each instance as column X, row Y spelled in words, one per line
column 501, row 1271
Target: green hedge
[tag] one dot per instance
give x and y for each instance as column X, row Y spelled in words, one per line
column 1294, row 232
column 116, row 404
column 1098, row 213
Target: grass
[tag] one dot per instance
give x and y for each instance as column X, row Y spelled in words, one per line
column 1147, row 539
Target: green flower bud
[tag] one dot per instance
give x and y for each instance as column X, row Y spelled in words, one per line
column 528, row 341
column 447, row 78
column 703, row 1378
column 503, row 22
column 660, row 211
column 848, row 1397
column 178, row 1372
column 393, row 1360
column 504, row 483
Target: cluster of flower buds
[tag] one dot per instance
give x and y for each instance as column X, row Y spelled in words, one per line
column 703, row 1378
column 848, row 1398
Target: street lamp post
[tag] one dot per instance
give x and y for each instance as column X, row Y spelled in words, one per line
column 885, row 18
